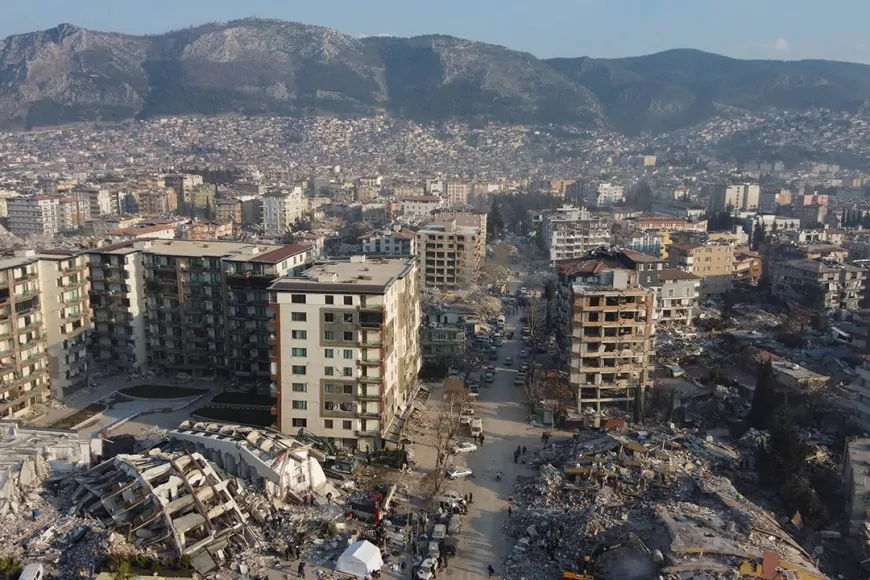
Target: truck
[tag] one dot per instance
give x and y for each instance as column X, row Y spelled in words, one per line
column 476, row 427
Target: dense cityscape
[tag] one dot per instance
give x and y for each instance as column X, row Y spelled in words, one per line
column 268, row 346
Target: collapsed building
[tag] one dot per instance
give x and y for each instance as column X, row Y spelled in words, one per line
column 31, row 455
column 269, row 459
column 174, row 503
column 640, row 507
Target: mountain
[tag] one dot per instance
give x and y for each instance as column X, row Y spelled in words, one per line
column 253, row 66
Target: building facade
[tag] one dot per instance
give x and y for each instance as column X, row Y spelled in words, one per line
column 346, row 349
column 450, row 254
column 281, row 209
column 819, row 284
column 712, row 262
column 571, row 232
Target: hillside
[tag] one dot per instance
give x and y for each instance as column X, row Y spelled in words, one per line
column 69, row 74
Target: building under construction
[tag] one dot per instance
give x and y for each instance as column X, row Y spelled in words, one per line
column 611, row 339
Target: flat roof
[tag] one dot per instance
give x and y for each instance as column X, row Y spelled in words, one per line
column 356, row 275
column 233, row 251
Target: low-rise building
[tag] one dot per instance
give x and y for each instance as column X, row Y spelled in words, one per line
column 421, row 206
column 712, row 262
column 443, row 336
column 389, row 243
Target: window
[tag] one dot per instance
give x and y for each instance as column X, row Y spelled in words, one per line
column 347, row 389
column 329, row 317
column 347, row 425
column 330, row 388
column 300, row 405
column 328, row 335
column 348, row 318
column 330, row 300
column 328, row 371
column 298, row 369
column 297, row 298
column 328, row 353
column 300, row 422
column 299, row 334
column 348, row 353
column 327, row 424
column 348, row 336
column 300, row 388
column 348, row 300
column 299, row 352
column 347, row 371
column 346, row 407
column 299, row 317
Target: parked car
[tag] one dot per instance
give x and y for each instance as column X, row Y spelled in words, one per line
column 490, row 369
column 524, row 353
column 464, row 447
column 458, row 472
column 524, row 367
column 490, row 377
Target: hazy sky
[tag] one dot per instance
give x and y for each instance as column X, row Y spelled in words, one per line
column 784, row 29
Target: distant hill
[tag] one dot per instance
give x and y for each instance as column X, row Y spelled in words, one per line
column 252, row 66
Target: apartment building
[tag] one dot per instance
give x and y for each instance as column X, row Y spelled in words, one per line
column 652, row 242
column 182, row 184
column 66, row 316
column 346, row 352
column 101, row 202
column 677, row 298
column 571, row 232
column 229, row 210
column 451, row 254
column 186, row 305
column 610, row 341
column 389, row 243
column 443, row 336
column 73, row 213
column 458, row 192
column 158, row 202
column 606, row 195
column 421, row 206
column 281, row 209
column 36, row 215
column 819, row 284
column 712, row 262
column 24, row 378
column 735, row 197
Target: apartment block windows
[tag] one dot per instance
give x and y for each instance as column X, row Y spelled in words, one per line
column 299, row 334
column 299, row 317
column 348, row 300
column 299, row 352
column 297, row 298
column 298, row 369
column 300, row 405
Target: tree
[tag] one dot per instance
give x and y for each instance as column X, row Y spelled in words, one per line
column 495, row 222
column 556, row 390
column 764, row 399
column 447, row 424
column 289, row 238
column 729, row 301
column 785, row 453
column 209, row 211
column 759, row 235
column 356, row 230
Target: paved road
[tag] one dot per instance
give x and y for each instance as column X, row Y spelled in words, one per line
column 504, row 410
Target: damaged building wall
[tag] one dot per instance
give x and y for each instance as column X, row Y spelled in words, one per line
column 173, row 503
column 257, row 455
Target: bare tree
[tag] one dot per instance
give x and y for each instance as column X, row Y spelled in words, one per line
column 447, row 424
column 557, row 392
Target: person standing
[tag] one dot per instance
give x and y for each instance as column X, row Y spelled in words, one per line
column 301, row 569
column 510, row 511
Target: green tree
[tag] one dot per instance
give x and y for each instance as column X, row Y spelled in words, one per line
column 764, row 399
column 759, row 235
column 495, row 222
column 729, row 301
column 784, row 451
column 209, row 211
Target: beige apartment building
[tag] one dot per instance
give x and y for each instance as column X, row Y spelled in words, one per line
column 712, row 262
column 458, row 192
column 24, row 379
column 451, row 254
column 611, row 340
column 346, row 349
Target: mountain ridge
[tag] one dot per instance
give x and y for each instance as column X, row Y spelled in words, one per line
column 264, row 66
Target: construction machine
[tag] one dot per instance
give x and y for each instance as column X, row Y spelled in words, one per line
column 588, row 567
column 771, row 567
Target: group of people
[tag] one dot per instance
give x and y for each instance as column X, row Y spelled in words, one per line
column 478, row 438
column 520, row 452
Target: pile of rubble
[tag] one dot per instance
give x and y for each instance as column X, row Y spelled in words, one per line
column 640, row 506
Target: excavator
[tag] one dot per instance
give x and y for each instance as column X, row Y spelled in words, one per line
column 771, row 567
column 588, row 567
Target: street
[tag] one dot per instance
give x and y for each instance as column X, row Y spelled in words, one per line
column 504, row 410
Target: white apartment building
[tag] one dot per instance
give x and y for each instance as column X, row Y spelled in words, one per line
column 421, row 206
column 101, row 202
column 74, row 213
column 38, row 215
column 677, row 299
column 346, row 349
column 571, row 232
column 607, row 194
column 435, row 186
column 281, row 209
column 66, row 315
column 451, row 253
column 389, row 243
column 743, row 197
column 458, row 192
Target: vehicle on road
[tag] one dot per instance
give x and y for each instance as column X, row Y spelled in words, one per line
column 439, row 532
column 463, row 447
column 454, row 496
column 508, row 361
column 493, row 355
column 459, row 473
column 520, row 379
column 474, row 391
column 524, row 353
column 476, row 426
column 524, row 367
column 490, row 369
column 490, row 377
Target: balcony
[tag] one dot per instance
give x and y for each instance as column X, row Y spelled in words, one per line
column 368, row 433
column 369, row 362
column 369, row 396
column 370, row 380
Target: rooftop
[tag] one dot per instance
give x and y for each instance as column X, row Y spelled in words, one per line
column 675, row 274
column 234, row 251
column 357, row 274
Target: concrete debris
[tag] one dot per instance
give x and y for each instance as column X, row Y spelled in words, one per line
column 641, row 505
column 176, row 503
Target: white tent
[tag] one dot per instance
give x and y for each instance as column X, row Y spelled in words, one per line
column 360, row 559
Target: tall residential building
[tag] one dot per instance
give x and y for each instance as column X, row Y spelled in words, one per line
column 229, row 210
column 187, row 306
column 182, row 184
column 744, row 197
column 66, row 315
column 451, row 254
column 281, row 209
column 347, row 353
column 458, row 192
column 572, row 232
column 38, row 215
column 101, row 202
column 24, row 379
column 421, row 206
column 611, row 340
column 157, row 202
column 677, row 299
column 607, row 195
column 712, row 261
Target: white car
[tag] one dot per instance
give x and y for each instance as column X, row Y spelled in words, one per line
column 524, row 353
column 452, row 496
column 459, row 473
column 464, row 447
